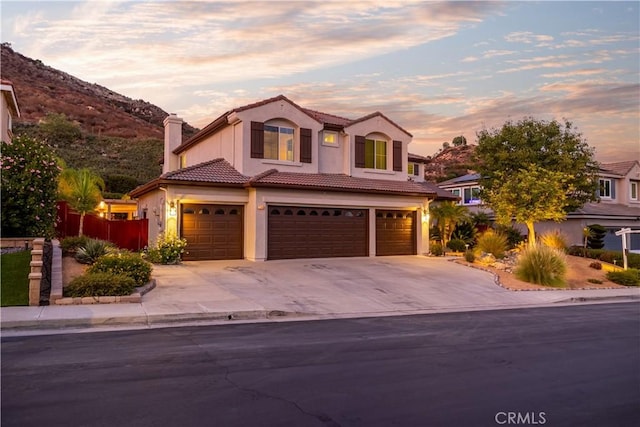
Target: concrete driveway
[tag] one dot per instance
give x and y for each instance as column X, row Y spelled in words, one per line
column 338, row 287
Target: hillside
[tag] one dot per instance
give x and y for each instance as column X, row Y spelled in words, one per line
column 450, row 162
column 41, row 89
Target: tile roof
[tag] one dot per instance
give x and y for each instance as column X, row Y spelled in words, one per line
column 441, row 193
column 606, row 209
column 325, row 118
column 338, row 182
column 470, row 177
column 417, row 158
column 217, row 171
column 618, row 168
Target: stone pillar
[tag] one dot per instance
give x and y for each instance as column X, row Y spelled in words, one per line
column 35, row 276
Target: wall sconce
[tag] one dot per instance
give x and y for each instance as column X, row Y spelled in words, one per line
column 425, row 217
column 172, row 209
column 261, row 207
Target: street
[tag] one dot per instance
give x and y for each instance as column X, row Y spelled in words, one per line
column 542, row 366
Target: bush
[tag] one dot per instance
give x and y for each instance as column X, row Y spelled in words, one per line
column 542, row 265
column 630, row 277
column 100, row 284
column 126, row 263
column 436, row 249
column 466, row 232
column 167, row 250
column 596, row 265
column 595, row 281
column 72, row 243
column 514, row 238
column 492, row 243
column 633, row 260
column 554, row 239
column 469, row 256
column 92, row 250
column 457, row 245
column 596, row 236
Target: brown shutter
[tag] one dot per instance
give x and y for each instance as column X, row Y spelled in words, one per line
column 257, row 140
column 360, row 151
column 397, row 156
column 305, row 145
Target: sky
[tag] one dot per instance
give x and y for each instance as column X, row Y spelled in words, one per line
column 439, row 70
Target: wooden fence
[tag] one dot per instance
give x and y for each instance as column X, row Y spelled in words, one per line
column 126, row 234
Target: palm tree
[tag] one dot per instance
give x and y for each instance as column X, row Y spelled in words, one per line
column 82, row 189
column 447, row 216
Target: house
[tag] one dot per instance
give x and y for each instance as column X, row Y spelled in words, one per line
column 274, row 180
column 618, row 204
column 8, row 110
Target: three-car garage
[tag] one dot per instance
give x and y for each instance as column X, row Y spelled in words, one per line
column 216, row 232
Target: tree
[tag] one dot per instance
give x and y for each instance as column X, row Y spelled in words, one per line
column 459, row 141
column 448, row 215
column 529, row 195
column 57, row 129
column 29, row 173
column 82, row 189
column 541, row 149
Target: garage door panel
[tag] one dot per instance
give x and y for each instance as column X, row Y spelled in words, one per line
column 212, row 231
column 304, row 232
column 395, row 232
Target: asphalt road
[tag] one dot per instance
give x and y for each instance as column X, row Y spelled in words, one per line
column 548, row 366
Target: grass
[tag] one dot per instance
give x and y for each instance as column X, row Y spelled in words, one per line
column 14, row 278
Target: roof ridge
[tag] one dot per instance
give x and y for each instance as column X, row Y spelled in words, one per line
column 262, row 175
column 326, row 114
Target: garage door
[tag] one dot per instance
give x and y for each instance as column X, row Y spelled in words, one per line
column 212, row 231
column 395, row 232
column 303, row 232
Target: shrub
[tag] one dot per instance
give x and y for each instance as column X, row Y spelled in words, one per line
column 92, row 250
column 466, row 232
column 514, row 238
column 436, row 249
column 596, row 265
column 595, row 281
column 167, row 249
column 554, row 239
column 492, row 243
column 469, row 256
column 456, row 245
column 100, row 284
column 630, row 277
column 633, row 259
column 72, row 243
column 596, row 236
column 541, row 265
column 126, row 263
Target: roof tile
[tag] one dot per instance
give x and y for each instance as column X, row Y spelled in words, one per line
column 217, row 171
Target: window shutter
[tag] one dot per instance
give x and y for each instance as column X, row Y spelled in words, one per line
column 257, row 140
column 397, row 156
column 359, row 161
column 305, row 145
column 613, row 188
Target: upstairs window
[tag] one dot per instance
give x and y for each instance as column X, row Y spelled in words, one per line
column 413, row 169
column 375, row 154
column 278, row 143
column 330, row 138
column 633, row 190
column 471, row 196
column 605, row 188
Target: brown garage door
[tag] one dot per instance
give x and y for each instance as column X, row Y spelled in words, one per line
column 395, row 232
column 212, row 231
column 303, row 232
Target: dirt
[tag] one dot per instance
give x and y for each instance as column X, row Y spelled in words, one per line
column 578, row 274
column 71, row 269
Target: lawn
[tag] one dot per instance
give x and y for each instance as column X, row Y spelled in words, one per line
column 14, row 278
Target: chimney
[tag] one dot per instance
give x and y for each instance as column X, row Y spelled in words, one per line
column 172, row 139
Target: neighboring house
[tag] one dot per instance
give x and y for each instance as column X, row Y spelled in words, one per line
column 273, row 180
column 8, row 109
column 118, row 209
column 618, row 205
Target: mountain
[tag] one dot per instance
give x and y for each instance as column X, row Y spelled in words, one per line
column 450, row 162
column 41, row 89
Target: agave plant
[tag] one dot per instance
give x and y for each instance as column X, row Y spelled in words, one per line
column 92, row 250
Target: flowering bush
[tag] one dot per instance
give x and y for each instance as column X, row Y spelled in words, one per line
column 167, row 250
column 29, row 188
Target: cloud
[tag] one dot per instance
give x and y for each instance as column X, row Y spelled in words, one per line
column 528, row 37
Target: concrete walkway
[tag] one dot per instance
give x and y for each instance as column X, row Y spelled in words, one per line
column 223, row 291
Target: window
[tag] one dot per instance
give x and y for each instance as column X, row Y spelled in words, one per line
column 330, row 138
column 605, row 188
column 375, row 154
column 278, row 143
column 471, row 196
column 183, row 161
column 414, row 169
column 633, row 194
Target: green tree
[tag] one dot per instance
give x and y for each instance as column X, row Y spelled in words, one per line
column 82, row 189
column 447, row 215
column 29, row 173
column 459, row 141
column 56, row 129
column 528, row 196
column 542, row 149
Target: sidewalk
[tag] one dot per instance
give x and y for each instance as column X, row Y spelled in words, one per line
column 241, row 291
